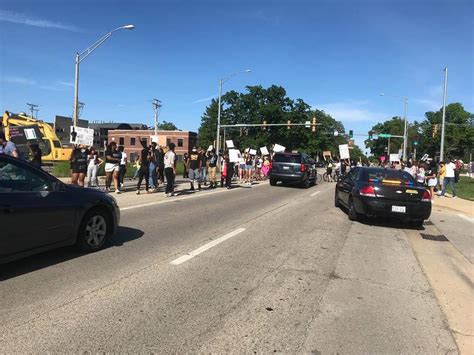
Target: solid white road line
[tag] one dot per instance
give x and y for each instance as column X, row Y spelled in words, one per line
column 178, row 198
column 469, row 219
column 205, row 247
column 314, row 193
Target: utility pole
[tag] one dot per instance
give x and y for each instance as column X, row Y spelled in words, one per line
column 388, row 147
column 156, row 107
column 33, row 108
column 219, row 125
column 443, row 123
column 405, row 132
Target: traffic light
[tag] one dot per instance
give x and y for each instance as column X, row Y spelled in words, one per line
column 264, row 125
column 351, row 133
column 288, row 124
column 416, row 140
column 371, row 134
column 313, row 128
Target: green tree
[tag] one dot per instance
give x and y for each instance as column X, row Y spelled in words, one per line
column 167, row 126
column 459, row 132
column 272, row 105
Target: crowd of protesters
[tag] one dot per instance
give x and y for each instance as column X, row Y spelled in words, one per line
column 436, row 176
column 157, row 165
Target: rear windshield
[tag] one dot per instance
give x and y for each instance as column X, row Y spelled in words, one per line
column 287, row 158
column 387, row 176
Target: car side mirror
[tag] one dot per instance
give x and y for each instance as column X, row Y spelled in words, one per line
column 57, row 186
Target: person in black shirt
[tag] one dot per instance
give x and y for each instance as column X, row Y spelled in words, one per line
column 160, row 159
column 143, row 173
column 185, row 163
column 212, row 164
column 203, row 168
column 36, row 155
column 79, row 165
column 112, row 166
column 194, row 164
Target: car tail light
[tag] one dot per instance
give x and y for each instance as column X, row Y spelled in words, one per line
column 426, row 197
column 302, row 168
column 368, row 191
column 271, row 166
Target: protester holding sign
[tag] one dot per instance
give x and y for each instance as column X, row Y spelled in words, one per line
column 212, row 164
column 79, row 165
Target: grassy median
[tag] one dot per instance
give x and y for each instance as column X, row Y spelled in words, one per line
column 465, row 188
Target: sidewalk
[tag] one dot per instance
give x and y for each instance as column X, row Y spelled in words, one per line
column 456, row 204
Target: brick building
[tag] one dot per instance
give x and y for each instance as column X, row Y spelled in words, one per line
column 130, row 139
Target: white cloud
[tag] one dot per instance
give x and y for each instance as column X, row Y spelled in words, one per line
column 204, row 99
column 18, row 80
column 22, row 19
column 66, row 83
column 351, row 111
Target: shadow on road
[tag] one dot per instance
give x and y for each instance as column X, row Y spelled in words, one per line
column 56, row 256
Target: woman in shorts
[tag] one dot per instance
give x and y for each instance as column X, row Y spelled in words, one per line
column 248, row 169
column 79, row 165
column 112, row 166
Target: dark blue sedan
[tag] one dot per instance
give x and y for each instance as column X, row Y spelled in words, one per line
column 38, row 212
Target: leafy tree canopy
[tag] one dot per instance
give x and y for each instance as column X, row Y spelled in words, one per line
column 167, row 126
column 272, row 105
column 459, row 134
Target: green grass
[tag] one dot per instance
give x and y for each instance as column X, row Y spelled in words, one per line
column 465, row 188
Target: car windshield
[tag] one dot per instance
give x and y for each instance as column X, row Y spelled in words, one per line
column 388, row 176
column 287, row 158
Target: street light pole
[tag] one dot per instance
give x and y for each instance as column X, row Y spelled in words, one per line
column 80, row 57
column 405, row 132
column 219, row 125
column 445, row 94
column 76, row 91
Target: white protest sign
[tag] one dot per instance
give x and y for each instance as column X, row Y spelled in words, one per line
column 30, row 133
column 234, row 155
column 264, row 151
column 246, row 150
column 394, row 157
column 253, row 151
column 154, row 139
column 210, row 148
column 83, row 136
column 230, row 144
column 278, row 148
column 344, row 151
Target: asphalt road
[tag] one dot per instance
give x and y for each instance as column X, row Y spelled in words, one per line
column 252, row 269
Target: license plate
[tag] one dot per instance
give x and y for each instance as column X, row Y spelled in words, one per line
column 399, row 209
column 286, row 168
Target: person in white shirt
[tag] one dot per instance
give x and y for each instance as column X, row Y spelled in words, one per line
column 170, row 170
column 449, row 178
column 123, row 165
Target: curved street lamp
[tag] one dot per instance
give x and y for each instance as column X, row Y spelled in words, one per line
column 405, row 128
column 80, row 57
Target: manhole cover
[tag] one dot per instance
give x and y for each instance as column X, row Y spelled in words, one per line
column 437, row 238
column 428, row 223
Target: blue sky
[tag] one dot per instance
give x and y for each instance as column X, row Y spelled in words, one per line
column 336, row 55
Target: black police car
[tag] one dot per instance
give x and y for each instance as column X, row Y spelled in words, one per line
column 38, row 212
column 293, row 168
column 379, row 192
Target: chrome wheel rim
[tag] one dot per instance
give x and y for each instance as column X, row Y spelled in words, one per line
column 96, row 230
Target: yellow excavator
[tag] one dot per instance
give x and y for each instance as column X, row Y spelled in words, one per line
column 24, row 130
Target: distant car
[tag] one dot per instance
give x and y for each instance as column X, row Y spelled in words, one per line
column 320, row 164
column 293, row 168
column 379, row 192
column 38, row 212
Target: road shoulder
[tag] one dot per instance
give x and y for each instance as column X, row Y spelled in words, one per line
column 379, row 300
column 451, row 277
